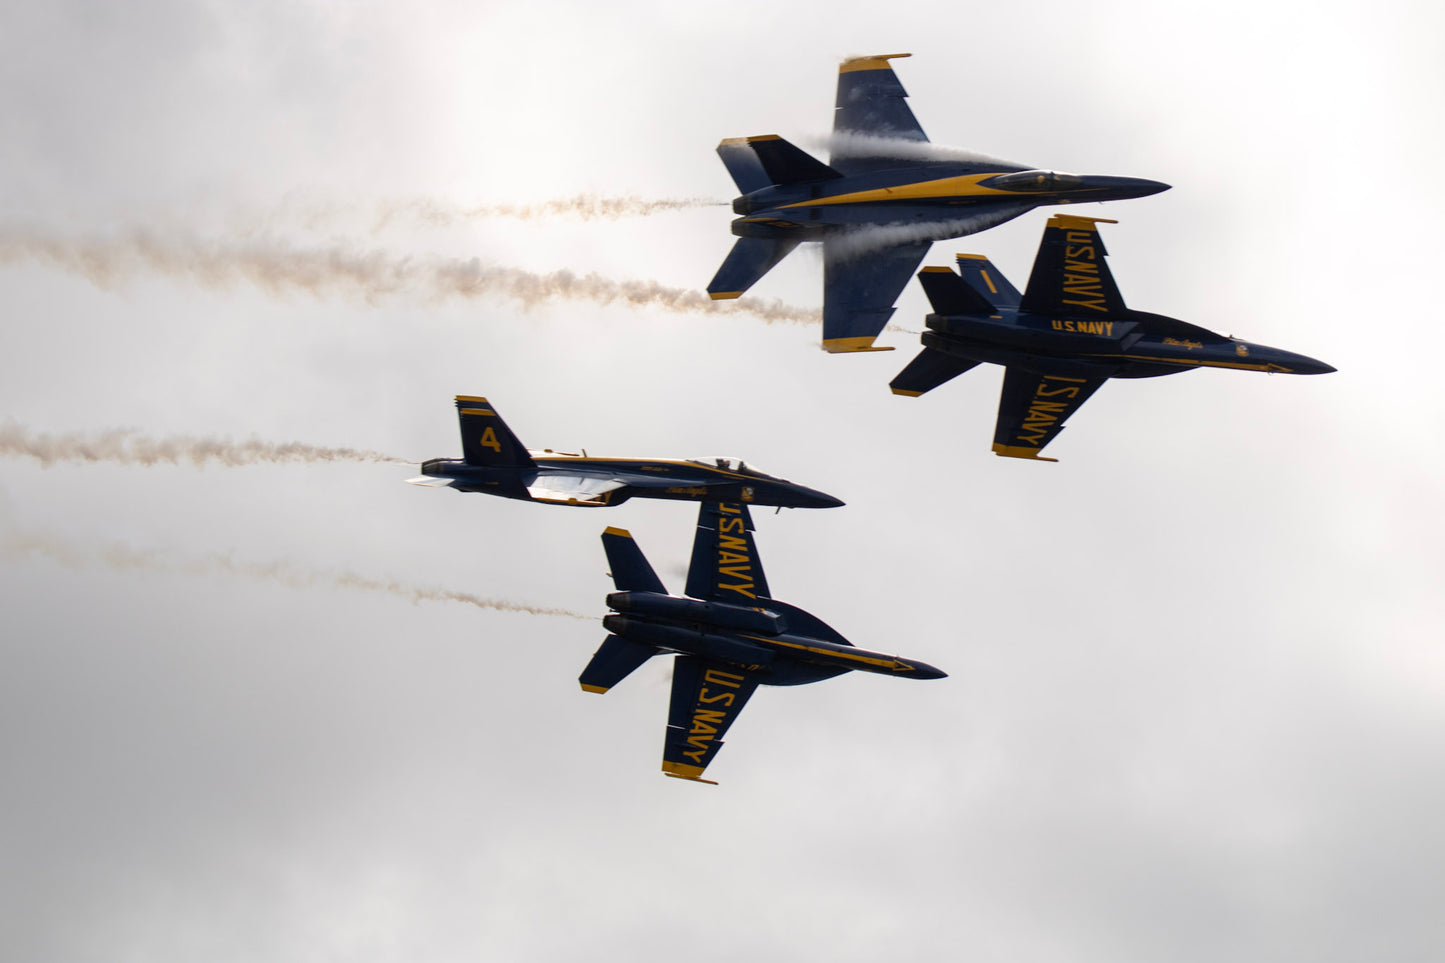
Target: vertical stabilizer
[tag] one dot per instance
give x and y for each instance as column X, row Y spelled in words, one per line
column 486, row 439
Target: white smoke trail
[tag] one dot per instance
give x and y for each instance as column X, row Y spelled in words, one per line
column 122, row 558
column 584, row 207
column 866, row 240
column 849, row 144
column 280, row 270
column 127, row 447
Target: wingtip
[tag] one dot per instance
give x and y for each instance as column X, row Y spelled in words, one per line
column 870, row 62
column 1019, row 451
column 681, row 770
column 851, row 345
column 724, row 295
column 620, row 532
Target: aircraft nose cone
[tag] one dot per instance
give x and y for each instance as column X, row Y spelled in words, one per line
column 1108, row 188
column 811, row 498
column 922, row 670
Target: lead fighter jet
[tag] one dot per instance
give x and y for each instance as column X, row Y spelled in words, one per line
column 1066, row 335
column 882, row 199
column 729, row 636
column 494, row 462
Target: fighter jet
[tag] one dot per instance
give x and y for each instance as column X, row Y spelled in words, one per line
column 1064, row 337
column 729, row 636
column 884, row 197
column 495, row 463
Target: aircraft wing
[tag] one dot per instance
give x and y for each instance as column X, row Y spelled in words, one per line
column 872, row 109
column 725, row 564
column 859, row 291
column 706, row 698
column 1070, row 276
column 572, row 489
column 1033, row 408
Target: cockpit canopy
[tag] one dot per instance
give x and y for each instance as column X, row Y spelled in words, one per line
column 727, row 463
column 1039, row 181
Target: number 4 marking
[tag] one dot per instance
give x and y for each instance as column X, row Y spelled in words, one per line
column 489, row 440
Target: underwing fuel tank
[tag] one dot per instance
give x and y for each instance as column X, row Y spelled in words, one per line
column 745, row 617
column 687, row 640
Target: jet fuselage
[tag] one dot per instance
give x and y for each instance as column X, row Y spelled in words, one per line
column 674, row 479
column 1135, row 345
column 771, row 638
column 955, row 197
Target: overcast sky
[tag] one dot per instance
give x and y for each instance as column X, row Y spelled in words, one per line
column 1194, row 710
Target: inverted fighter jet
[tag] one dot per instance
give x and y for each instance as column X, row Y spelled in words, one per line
column 882, row 199
column 1064, row 337
column 494, row 462
column 729, row 636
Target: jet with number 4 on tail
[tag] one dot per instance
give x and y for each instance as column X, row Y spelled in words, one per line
column 728, row 634
column 494, row 462
column 882, row 199
column 1066, row 335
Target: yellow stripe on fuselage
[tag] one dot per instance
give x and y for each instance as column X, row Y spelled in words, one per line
column 966, row 186
column 1191, row 363
column 850, row 655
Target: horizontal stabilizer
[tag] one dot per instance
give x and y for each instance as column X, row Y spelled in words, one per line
column 949, row 294
column 749, row 260
column 927, row 371
column 785, row 164
column 630, row 571
column 614, row 661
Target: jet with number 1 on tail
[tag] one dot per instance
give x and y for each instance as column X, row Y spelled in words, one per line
column 879, row 203
column 728, row 634
column 1060, row 340
column 494, row 462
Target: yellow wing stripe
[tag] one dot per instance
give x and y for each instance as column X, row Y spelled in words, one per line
column 1076, row 223
column 1019, row 451
column 681, row 770
column 872, row 62
column 845, row 345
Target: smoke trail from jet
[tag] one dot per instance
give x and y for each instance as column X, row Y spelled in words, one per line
column 122, row 558
column 125, row 446
column 280, row 270
column 865, row 240
column 847, row 143
column 584, row 207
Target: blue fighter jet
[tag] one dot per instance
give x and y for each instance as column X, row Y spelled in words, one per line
column 729, row 636
column 1060, row 340
column 882, row 199
column 494, row 462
